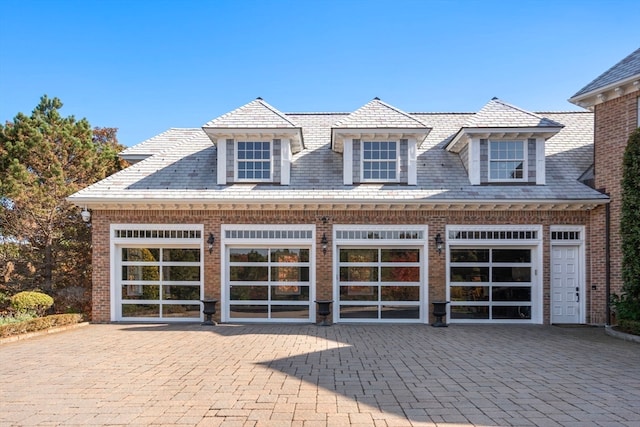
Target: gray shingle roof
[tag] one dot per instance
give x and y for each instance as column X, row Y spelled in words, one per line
column 186, row 172
column 158, row 143
column 627, row 68
column 499, row 114
column 256, row 114
column 377, row 114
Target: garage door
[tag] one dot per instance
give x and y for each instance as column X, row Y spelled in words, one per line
column 158, row 272
column 492, row 274
column 380, row 274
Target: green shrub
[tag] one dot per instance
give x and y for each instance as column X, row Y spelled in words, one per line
column 629, row 326
column 39, row 324
column 31, row 302
column 15, row 318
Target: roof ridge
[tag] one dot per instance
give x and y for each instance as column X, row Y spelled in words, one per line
column 276, row 111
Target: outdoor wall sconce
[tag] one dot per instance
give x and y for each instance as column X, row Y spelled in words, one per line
column 439, row 243
column 86, row 215
column 324, row 219
column 210, row 241
column 324, row 243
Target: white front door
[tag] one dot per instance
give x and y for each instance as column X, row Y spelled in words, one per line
column 565, row 284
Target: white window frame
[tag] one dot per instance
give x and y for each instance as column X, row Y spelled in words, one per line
column 396, row 160
column 525, row 154
column 237, row 161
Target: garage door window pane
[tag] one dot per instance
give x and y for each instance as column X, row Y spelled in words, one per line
column 359, row 311
column 141, row 254
column 400, row 293
column 469, row 255
column 511, row 255
column 358, row 274
column 175, row 292
column 290, row 293
column 289, row 311
column 399, row 312
column 248, row 255
column 469, row 274
column 400, row 255
column 511, row 312
column 249, row 274
column 177, row 273
column 181, row 310
column 400, row 274
column 359, row 293
column 469, row 293
column 185, row 255
column 513, row 293
column 149, row 273
column 290, row 255
column 140, row 310
column 244, row 293
column 469, row 312
column 289, row 274
column 133, row 292
column 511, row 274
column 358, row 255
column 248, row 311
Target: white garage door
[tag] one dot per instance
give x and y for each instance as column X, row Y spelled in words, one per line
column 158, row 272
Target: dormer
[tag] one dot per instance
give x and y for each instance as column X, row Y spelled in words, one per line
column 504, row 144
column 379, row 144
column 255, row 144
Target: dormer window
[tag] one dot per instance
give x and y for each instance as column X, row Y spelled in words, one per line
column 507, row 161
column 253, row 161
column 379, row 161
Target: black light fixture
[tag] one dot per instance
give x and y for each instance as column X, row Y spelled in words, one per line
column 210, row 241
column 324, row 243
column 439, row 243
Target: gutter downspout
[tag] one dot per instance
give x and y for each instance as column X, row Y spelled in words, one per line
column 607, row 258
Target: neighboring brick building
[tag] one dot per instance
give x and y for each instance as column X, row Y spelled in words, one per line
column 614, row 99
column 379, row 210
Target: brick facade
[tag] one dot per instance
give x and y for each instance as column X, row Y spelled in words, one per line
column 436, row 221
column 615, row 120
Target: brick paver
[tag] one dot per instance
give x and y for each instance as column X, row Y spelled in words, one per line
column 304, row 375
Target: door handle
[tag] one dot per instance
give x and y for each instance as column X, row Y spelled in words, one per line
column 577, row 294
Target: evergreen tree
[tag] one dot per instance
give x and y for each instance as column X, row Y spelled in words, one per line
column 628, row 307
column 44, row 158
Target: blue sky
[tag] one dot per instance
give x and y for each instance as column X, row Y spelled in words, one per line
column 146, row 66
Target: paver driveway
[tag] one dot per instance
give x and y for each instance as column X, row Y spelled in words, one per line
column 359, row 375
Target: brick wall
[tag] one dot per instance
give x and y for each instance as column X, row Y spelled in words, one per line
column 436, row 220
column 614, row 122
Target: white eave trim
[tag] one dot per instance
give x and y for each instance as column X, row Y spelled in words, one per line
column 341, row 204
column 338, row 135
column 607, row 93
column 293, row 134
column 465, row 134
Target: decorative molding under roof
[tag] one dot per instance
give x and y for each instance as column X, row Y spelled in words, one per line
column 443, row 205
column 465, row 134
column 607, row 93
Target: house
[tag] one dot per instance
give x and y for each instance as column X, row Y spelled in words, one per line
column 614, row 97
column 380, row 211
